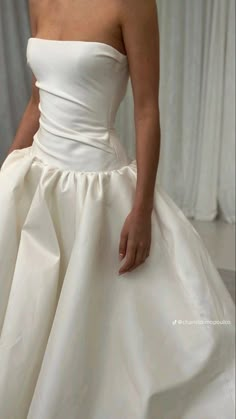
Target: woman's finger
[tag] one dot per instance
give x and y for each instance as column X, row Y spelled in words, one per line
column 130, row 257
column 140, row 257
column 123, row 245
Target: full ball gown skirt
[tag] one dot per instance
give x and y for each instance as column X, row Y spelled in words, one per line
column 78, row 341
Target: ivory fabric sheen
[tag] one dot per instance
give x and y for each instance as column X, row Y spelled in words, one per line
column 78, row 341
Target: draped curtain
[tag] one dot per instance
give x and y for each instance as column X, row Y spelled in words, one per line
column 15, row 77
column 197, row 99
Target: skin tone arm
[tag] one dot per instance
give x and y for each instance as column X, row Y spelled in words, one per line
column 30, row 120
column 141, row 37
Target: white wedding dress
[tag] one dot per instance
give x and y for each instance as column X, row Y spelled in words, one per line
column 78, row 341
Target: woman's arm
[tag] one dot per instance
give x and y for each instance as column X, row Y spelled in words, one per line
column 141, row 37
column 30, row 120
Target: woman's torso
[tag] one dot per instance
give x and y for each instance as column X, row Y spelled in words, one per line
column 82, row 80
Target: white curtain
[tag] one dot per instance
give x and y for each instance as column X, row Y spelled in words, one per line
column 15, row 77
column 197, row 106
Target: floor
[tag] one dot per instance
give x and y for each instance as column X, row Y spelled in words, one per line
column 219, row 238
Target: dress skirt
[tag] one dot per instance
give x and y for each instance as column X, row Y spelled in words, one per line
column 77, row 340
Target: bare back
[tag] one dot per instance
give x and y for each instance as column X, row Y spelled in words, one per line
column 93, row 20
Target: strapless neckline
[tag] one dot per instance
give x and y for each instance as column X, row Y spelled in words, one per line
column 124, row 56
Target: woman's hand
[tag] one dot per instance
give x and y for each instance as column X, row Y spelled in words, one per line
column 135, row 240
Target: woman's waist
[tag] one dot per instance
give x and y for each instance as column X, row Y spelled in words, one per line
column 84, row 153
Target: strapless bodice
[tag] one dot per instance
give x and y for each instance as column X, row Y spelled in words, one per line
column 81, row 85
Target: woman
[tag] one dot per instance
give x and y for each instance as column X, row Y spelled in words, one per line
column 85, row 335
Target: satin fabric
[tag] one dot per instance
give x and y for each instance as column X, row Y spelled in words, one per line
column 77, row 340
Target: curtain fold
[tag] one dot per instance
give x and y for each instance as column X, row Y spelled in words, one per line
column 15, row 77
column 226, row 174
